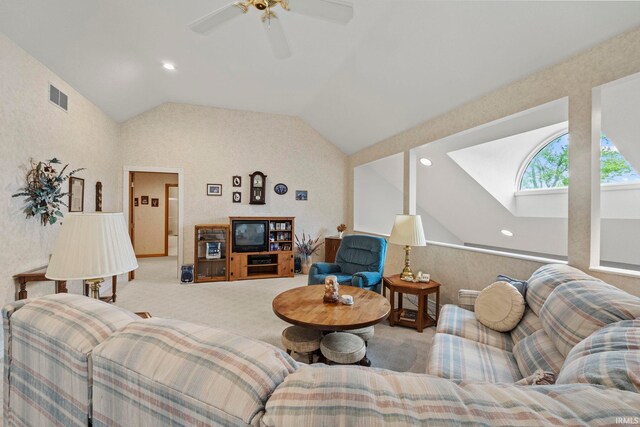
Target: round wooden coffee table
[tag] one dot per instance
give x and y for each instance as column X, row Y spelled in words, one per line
column 303, row 306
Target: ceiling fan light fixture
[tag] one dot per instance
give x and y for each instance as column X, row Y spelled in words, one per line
column 331, row 10
column 261, row 4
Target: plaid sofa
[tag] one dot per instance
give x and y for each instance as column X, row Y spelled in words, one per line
column 564, row 307
column 70, row 360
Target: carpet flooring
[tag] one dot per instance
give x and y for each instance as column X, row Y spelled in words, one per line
column 244, row 307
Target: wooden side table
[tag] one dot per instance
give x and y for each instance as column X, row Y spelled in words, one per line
column 421, row 290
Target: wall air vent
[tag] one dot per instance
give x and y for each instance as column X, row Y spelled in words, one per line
column 58, row 97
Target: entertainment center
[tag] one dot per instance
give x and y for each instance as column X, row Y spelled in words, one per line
column 253, row 248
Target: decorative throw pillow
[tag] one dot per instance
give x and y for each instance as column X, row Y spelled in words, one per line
column 520, row 285
column 539, row 377
column 500, row 307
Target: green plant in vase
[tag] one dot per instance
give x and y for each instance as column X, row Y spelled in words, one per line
column 307, row 246
column 43, row 191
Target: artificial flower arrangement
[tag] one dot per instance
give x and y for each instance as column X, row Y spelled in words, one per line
column 44, row 191
column 308, row 246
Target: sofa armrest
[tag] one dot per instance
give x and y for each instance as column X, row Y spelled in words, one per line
column 366, row 279
column 467, row 299
column 323, row 268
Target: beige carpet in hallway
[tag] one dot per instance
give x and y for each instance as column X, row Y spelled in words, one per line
column 244, row 307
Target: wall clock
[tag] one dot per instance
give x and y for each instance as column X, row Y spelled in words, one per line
column 257, row 193
column 281, row 189
column 98, row 196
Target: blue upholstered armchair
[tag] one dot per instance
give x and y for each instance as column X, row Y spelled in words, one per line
column 359, row 262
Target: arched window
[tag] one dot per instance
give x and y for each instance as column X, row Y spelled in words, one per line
column 549, row 168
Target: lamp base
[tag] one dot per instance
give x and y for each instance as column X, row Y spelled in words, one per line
column 94, row 286
column 407, row 274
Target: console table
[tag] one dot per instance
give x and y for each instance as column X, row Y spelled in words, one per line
column 38, row 275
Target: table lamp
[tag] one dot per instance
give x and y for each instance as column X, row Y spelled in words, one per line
column 407, row 230
column 92, row 246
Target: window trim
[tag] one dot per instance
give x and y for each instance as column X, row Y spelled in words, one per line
column 611, row 186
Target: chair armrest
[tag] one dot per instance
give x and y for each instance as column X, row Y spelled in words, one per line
column 366, row 279
column 323, row 268
column 467, row 299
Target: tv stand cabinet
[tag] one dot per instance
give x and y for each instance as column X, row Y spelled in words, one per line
column 278, row 261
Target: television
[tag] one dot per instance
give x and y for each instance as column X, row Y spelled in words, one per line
column 250, row 235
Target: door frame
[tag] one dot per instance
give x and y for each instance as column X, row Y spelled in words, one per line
column 166, row 216
column 127, row 203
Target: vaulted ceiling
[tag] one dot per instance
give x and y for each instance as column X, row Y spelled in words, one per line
column 395, row 65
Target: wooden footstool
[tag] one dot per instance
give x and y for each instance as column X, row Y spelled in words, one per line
column 343, row 348
column 301, row 340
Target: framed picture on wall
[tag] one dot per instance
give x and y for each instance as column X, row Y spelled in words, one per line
column 144, row 200
column 237, row 181
column 301, row 194
column 237, row 197
column 76, row 194
column 135, row 202
column 155, row 203
column 214, row 189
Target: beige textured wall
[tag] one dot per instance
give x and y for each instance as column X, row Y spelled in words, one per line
column 575, row 78
column 149, row 220
column 214, row 144
column 32, row 127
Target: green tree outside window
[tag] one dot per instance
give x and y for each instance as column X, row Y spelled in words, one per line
column 549, row 168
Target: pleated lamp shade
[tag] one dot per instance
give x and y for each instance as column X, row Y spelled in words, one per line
column 407, row 231
column 91, row 246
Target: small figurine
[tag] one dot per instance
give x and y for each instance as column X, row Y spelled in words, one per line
column 331, row 287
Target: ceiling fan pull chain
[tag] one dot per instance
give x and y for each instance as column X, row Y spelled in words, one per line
column 269, row 14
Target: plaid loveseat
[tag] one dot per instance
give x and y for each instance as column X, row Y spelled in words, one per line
column 564, row 307
column 113, row 369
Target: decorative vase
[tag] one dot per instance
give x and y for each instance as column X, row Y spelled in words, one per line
column 340, row 234
column 331, row 287
column 305, row 263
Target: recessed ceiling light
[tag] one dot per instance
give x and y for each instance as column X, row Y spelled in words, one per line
column 507, row 233
column 425, row 161
column 168, row 66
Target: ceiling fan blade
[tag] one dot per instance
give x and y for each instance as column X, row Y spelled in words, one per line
column 277, row 38
column 210, row 22
column 330, row 10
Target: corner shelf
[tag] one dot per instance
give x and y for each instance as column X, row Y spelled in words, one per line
column 211, row 269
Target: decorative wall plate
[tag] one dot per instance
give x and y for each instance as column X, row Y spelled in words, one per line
column 281, row 189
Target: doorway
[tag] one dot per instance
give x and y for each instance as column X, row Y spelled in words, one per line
column 152, row 196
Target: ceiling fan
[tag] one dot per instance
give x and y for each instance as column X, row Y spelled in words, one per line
column 331, row 10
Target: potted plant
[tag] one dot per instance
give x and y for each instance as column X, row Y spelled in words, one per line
column 44, row 191
column 341, row 228
column 307, row 246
